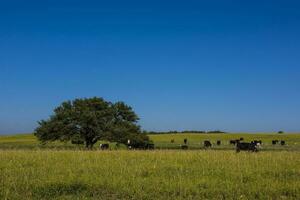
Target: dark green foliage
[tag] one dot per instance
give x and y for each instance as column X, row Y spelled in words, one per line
column 217, row 131
column 191, row 131
column 90, row 120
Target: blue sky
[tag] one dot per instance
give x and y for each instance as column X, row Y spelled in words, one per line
column 205, row 65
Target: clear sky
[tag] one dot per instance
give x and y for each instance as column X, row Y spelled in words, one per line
column 206, row 65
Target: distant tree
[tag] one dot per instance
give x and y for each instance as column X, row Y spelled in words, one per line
column 90, row 120
column 217, row 131
column 280, row 132
column 193, row 131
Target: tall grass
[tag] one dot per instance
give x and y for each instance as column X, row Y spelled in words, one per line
column 149, row 175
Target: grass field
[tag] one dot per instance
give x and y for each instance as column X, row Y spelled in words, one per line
column 60, row 171
column 28, row 141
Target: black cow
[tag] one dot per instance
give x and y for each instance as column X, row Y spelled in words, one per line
column 245, row 146
column 185, row 141
column 104, row 146
column 282, row 143
column 141, row 146
column 219, row 142
column 241, row 139
column 172, row 141
column 207, row 144
column 274, row 142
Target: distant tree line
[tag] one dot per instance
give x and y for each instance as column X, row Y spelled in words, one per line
column 183, row 132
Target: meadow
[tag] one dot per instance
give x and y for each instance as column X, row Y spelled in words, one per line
column 62, row 171
column 163, row 141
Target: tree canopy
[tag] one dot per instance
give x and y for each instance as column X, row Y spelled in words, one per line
column 90, row 120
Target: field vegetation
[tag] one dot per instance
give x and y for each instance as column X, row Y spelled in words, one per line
column 29, row 170
column 163, row 141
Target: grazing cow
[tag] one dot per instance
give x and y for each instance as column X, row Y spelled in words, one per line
column 241, row 139
column 184, row 147
column 172, row 141
column 104, row 146
column 245, row 146
column 185, row 141
column 207, row 144
column 274, row 142
column 282, row 143
column 135, row 145
column 219, row 142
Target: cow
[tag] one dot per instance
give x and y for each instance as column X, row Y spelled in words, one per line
column 241, row 139
column 246, row 146
column 104, row 146
column 274, row 142
column 257, row 143
column 282, row 143
column 219, row 142
column 133, row 145
column 185, row 141
column 172, row 141
column 207, row 144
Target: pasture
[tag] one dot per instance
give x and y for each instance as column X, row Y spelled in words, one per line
column 62, row 171
column 163, row 141
column 195, row 141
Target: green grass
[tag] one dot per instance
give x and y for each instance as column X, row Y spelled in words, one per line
column 63, row 171
column 149, row 175
column 28, row 141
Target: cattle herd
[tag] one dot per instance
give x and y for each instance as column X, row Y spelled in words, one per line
column 252, row 146
column 240, row 145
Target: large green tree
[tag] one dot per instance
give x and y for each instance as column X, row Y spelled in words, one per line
column 90, row 120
